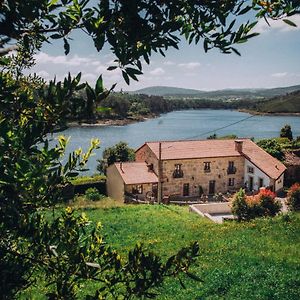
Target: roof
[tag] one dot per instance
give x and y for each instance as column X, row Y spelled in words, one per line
column 218, row 148
column 263, row 160
column 194, row 149
column 136, row 173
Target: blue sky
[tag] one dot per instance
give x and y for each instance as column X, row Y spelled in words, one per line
column 269, row 60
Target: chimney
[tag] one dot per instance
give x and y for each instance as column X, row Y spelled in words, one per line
column 239, row 145
column 121, row 167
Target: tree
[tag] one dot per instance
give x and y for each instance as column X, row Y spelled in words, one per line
column 66, row 249
column 272, row 147
column 286, row 132
column 117, row 153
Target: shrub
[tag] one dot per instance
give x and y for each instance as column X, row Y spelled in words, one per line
column 88, row 179
column 270, row 206
column 93, row 194
column 261, row 205
column 293, row 197
column 239, row 206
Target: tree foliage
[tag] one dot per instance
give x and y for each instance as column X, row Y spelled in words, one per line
column 217, row 24
column 286, row 132
column 117, row 153
column 273, row 147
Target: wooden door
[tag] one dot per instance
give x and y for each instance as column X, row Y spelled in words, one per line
column 186, row 189
column 212, row 187
column 250, row 183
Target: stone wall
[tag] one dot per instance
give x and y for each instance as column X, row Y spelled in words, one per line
column 195, row 176
column 145, row 154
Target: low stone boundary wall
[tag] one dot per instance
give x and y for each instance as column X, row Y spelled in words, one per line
column 211, row 208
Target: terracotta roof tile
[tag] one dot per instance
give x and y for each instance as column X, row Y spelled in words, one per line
column 219, row 148
column 194, row 149
column 136, row 173
column 263, row 160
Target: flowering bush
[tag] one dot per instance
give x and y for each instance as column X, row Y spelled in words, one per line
column 293, row 197
column 260, row 205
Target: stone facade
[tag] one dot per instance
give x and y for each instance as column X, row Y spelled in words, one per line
column 196, row 179
column 145, row 154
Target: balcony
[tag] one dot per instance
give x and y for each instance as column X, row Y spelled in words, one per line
column 231, row 170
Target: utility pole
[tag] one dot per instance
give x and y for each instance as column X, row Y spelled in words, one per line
column 159, row 185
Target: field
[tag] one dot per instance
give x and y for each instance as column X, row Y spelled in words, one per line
column 255, row 260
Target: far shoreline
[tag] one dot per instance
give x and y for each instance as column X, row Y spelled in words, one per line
column 111, row 122
column 260, row 113
column 128, row 121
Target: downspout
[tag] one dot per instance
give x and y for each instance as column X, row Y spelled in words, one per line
column 159, row 185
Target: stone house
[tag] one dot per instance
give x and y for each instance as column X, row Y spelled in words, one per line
column 192, row 168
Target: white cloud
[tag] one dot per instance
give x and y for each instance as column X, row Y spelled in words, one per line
column 43, row 74
column 89, row 77
column 168, row 63
column 277, row 25
column 101, row 69
column 75, row 60
column 190, row 65
column 157, row 71
column 279, row 75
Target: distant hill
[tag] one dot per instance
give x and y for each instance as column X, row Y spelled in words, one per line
column 227, row 94
column 289, row 103
column 166, row 91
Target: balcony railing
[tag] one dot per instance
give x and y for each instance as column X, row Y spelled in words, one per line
column 231, row 170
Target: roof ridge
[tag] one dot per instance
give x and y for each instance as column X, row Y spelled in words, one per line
column 196, row 140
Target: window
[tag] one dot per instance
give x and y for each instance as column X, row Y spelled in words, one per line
column 178, row 173
column 261, row 182
column 250, row 170
column 231, row 182
column 207, row 167
column 231, row 168
column 137, row 189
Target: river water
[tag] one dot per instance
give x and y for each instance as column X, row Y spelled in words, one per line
column 177, row 125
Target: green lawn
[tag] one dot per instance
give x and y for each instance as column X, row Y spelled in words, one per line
column 256, row 260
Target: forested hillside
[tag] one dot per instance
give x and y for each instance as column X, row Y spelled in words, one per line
column 175, row 92
column 289, row 103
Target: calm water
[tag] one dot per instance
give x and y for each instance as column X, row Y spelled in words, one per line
column 188, row 124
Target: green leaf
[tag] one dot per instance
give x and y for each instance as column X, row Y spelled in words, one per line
column 125, row 76
column 245, row 10
column 236, row 51
column 56, row 36
column 111, row 68
column 99, row 86
column 90, row 92
column 289, row 22
column 66, row 46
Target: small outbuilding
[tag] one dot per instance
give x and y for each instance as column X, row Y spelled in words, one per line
column 135, row 179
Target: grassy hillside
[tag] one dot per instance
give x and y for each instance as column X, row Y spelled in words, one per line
column 289, row 103
column 255, row 260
